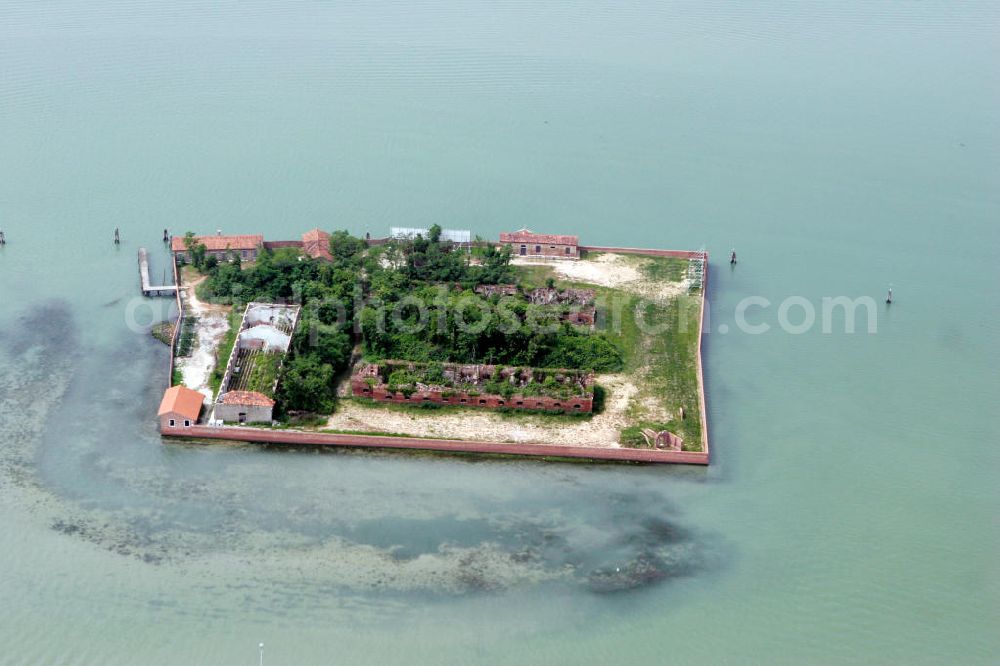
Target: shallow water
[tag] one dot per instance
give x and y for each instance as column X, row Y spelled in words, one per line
column 849, row 515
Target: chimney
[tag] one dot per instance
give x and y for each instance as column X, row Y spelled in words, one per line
column 218, row 232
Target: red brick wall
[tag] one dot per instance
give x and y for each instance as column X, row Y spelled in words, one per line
column 583, row 317
column 545, row 250
column 380, row 393
column 178, row 422
column 680, row 254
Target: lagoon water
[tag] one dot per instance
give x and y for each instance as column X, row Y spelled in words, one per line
column 849, row 515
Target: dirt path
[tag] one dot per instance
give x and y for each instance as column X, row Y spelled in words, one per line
column 213, row 322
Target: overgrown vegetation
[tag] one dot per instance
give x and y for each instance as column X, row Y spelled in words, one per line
column 459, row 330
column 258, row 372
column 434, row 315
column 185, row 341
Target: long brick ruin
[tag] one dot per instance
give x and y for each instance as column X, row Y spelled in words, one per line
column 369, row 381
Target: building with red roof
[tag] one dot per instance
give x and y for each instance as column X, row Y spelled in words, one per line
column 527, row 243
column 244, row 407
column 316, row 244
column 246, row 246
column 180, row 407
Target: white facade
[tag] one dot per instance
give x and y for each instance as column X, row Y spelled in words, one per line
column 452, row 235
column 271, row 338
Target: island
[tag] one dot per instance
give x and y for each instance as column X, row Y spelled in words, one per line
column 430, row 339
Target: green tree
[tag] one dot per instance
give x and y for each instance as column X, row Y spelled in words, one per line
column 196, row 251
column 345, row 248
column 306, row 385
column 434, row 233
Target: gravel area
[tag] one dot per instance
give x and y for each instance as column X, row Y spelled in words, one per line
column 611, row 270
column 213, row 322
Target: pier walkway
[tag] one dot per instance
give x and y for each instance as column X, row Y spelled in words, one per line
column 147, row 289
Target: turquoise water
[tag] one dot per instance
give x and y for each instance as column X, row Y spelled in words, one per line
column 850, row 512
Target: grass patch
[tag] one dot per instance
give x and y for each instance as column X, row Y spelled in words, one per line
column 534, row 277
column 631, row 437
column 673, row 375
column 664, row 269
column 303, row 421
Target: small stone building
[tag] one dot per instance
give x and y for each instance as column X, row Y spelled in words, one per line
column 180, row 408
column 244, row 407
column 220, row 247
column 526, row 243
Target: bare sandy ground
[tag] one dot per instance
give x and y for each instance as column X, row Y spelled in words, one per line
column 611, row 270
column 213, row 322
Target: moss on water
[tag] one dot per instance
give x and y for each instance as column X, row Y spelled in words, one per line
column 164, row 332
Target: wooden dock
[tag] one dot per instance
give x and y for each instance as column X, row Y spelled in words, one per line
column 147, row 289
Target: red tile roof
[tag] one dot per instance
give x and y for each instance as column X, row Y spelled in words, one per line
column 216, row 243
column 316, row 244
column 249, row 398
column 528, row 236
column 181, row 400
column 277, row 245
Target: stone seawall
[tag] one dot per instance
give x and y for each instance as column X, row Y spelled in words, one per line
column 679, row 254
column 701, row 372
column 296, row 437
column 177, row 323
